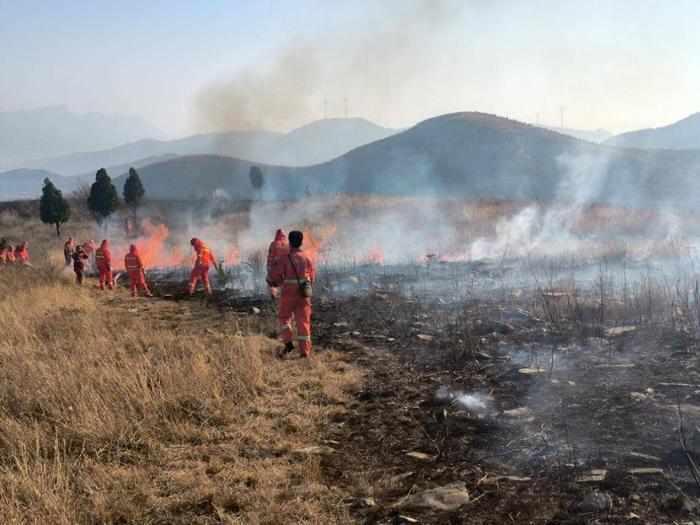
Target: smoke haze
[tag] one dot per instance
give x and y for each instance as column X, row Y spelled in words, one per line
column 377, row 68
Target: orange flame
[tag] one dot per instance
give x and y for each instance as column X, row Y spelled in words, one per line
column 375, row 255
column 153, row 248
column 313, row 243
column 232, row 257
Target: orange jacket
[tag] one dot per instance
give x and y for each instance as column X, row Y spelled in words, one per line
column 285, row 275
column 22, row 252
column 103, row 257
column 132, row 260
column 278, row 248
column 205, row 257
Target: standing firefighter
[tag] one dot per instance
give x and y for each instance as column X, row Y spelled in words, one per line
column 295, row 272
column 79, row 256
column 278, row 248
column 68, row 249
column 89, row 248
column 103, row 259
column 201, row 266
column 136, row 272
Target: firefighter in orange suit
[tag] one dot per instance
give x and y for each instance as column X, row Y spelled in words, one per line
column 278, row 248
column 295, row 272
column 103, row 260
column 205, row 258
column 136, row 272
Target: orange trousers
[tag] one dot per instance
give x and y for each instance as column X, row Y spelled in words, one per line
column 105, row 277
column 199, row 272
column 137, row 282
column 297, row 309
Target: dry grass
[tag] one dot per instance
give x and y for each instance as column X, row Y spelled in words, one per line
column 115, row 410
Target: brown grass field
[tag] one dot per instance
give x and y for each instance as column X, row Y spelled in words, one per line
column 118, row 410
column 125, row 410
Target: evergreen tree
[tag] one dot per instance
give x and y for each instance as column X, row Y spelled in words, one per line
column 257, row 179
column 133, row 190
column 53, row 207
column 103, row 199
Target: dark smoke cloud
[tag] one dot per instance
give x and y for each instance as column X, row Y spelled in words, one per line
column 376, row 68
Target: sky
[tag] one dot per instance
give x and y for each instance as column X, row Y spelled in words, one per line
column 196, row 66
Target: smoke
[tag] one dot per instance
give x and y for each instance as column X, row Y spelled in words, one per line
column 555, row 229
column 476, row 402
column 378, row 67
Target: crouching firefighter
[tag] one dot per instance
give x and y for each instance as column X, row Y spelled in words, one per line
column 205, row 258
column 136, row 272
column 295, row 273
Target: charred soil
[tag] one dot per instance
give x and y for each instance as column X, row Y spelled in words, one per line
column 540, row 427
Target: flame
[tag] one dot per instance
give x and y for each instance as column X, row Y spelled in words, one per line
column 313, row 243
column 232, row 257
column 153, row 248
column 375, row 255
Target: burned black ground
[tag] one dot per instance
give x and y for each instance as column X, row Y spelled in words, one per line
column 568, row 413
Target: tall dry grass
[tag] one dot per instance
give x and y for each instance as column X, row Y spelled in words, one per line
column 117, row 410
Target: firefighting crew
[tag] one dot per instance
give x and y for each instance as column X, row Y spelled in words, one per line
column 68, row 249
column 278, row 248
column 79, row 256
column 205, row 258
column 295, row 272
column 136, row 272
column 103, row 259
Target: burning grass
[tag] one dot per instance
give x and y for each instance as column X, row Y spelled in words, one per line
column 506, row 368
column 118, row 410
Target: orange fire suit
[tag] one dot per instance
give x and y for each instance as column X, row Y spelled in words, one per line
column 136, row 272
column 103, row 260
column 278, row 248
column 22, row 253
column 205, row 258
column 9, row 255
column 293, row 306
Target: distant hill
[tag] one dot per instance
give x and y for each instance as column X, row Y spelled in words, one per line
column 597, row 136
column 317, row 142
column 684, row 134
column 53, row 131
column 322, row 141
column 26, row 184
column 456, row 155
column 222, row 143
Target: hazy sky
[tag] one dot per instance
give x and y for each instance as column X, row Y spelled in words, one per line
column 212, row 65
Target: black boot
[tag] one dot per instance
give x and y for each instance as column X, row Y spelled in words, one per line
column 284, row 352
